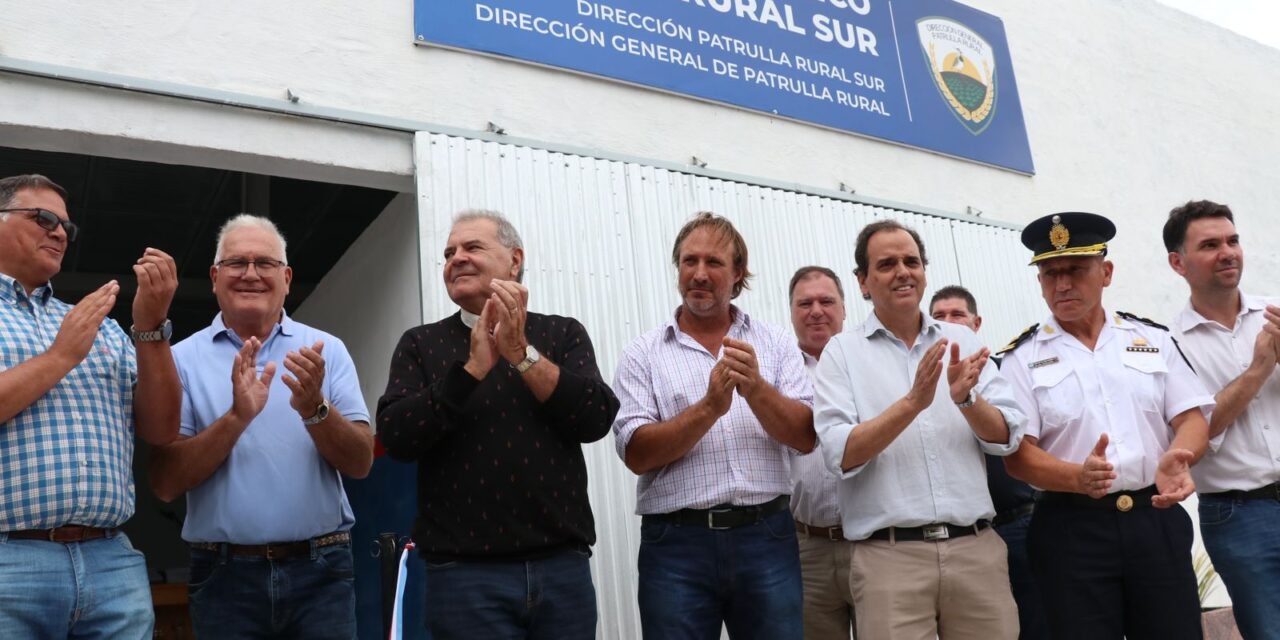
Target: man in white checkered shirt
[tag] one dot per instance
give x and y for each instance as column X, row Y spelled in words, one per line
column 73, row 390
column 713, row 403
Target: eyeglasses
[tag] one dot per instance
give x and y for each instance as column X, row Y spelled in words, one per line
column 48, row 221
column 237, row 267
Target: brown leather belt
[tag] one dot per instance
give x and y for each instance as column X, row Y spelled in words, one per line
column 68, row 533
column 835, row 533
column 276, row 550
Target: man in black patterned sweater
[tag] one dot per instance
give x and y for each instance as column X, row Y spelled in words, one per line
column 494, row 404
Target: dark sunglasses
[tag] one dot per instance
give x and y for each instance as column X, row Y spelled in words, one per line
column 48, row 220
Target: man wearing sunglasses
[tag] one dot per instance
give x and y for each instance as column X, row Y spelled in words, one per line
column 73, row 391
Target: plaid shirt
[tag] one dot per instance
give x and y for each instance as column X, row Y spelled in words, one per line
column 68, row 458
column 663, row 373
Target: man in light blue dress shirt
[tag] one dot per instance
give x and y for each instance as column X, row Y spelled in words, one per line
column 260, row 456
column 904, row 407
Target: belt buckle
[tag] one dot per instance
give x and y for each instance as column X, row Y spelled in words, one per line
column 835, row 534
column 274, row 552
column 711, row 519
column 935, row 532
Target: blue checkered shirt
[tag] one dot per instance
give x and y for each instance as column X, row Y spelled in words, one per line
column 68, row 458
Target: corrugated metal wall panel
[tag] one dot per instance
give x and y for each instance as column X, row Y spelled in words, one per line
column 598, row 236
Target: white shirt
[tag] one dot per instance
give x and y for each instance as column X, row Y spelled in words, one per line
column 664, row 372
column 1129, row 386
column 934, row 470
column 815, row 498
column 1249, row 456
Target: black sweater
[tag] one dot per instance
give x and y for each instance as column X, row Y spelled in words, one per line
column 500, row 475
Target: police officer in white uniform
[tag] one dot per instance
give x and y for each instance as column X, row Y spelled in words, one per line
column 1116, row 418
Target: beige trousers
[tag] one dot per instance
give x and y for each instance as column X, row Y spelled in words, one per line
column 828, row 602
column 957, row 589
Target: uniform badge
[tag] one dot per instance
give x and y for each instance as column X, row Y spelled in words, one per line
column 1140, row 345
column 1124, row 503
column 1043, row 363
column 1059, row 237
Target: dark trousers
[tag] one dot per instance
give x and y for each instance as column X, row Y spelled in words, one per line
column 544, row 599
column 239, row 597
column 693, row 579
column 1031, row 617
column 1105, row 574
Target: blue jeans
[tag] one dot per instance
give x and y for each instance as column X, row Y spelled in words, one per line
column 1031, row 617
column 308, row 596
column 1240, row 536
column 693, row 578
column 94, row 589
column 551, row 598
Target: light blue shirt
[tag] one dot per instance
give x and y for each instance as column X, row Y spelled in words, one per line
column 274, row 486
column 934, row 471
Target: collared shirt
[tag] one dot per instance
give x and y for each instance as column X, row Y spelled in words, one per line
column 815, row 498
column 1249, row 456
column 274, row 486
column 67, row 458
column 664, row 372
column 1129, row 386
column 933, row 471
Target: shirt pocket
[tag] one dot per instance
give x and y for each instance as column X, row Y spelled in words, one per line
column 1145, row 373
column 1058, row 394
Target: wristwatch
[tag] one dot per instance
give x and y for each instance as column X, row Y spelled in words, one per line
column 531, row 357
column 969, row 401
column 322, row 412
column 159, row 335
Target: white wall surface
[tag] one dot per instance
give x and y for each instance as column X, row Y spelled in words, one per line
column 597, row 236
column 1131, row 107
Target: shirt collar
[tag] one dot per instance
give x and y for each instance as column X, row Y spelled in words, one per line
column 286, row 327
column 872, row 325
column 468, row 318
column 1050, row 328
column 1190, row 318
column 810, row 362
column 741, row 321
column 12, row 291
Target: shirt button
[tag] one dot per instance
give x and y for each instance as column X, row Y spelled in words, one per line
column 933, row 456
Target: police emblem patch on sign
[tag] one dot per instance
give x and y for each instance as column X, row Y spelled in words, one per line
column 963, row 67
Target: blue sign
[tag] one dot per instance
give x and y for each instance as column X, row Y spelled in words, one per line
column 932, row 74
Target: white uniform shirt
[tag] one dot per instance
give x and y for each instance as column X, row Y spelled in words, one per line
column 815, row 500
column 1129, row 387
column 1249, row 456
column 934, row 470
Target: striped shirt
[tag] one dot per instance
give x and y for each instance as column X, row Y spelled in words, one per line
column 68, row 458
column 815, row 489
column 664, row 372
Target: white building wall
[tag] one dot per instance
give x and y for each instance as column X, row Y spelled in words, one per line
column 1131, row 107
column 372, row 295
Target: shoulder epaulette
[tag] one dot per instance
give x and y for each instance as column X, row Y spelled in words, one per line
column 1022, row 337
column 1150, row 323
